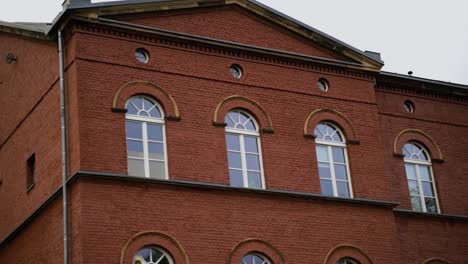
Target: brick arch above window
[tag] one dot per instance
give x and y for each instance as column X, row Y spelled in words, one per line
column 153, row 238
column 244, row 103
column 132, row 88
column 347, row 251
column 419, row 136
column 253, row 245
column 435, row 261
column 333, row 116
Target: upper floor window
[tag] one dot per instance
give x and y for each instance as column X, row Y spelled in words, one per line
column 253, row 258
column 421, row 186
column 146, row 147
column 332, row 161
column 243, row 150
column 152, row 255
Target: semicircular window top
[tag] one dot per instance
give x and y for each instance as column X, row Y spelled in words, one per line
column 332, row 158
column 254, row 258
column 244, row 150
column 152, row 255
column 420, row 178
column 146, row 143
column 346, row 261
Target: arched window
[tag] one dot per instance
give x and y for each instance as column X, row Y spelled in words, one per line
column 152, row 255
column 243, row 150
column 421, row 186
column 146, row 147
column 346, row 261
column 332, row 161
column 254, row 258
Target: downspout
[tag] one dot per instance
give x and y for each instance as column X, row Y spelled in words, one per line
column 63, row 127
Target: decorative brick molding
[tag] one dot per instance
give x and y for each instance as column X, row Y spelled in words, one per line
column 339, row 119
column 423, row 138
column 244, row 103
column 153, row 238
column 132, row 88
column 253, row 245
column 347, row 251
column 435, row 261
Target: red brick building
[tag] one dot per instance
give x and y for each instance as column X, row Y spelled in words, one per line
column 202, row 131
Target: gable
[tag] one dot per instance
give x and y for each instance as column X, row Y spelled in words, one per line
column 234, row 24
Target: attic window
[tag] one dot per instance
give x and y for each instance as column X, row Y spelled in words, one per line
column 142, row 55
column 236, row 71
column 323, row 84
column 409, row 106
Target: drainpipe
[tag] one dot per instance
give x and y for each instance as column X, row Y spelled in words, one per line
column 63, row 127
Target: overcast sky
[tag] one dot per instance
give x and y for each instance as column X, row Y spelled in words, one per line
column 428, row 37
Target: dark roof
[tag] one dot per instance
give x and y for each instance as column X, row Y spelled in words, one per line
column 28, row 26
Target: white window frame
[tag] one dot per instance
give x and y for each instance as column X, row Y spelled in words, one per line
column 144, row 126
column 416, row 164
column 329, row 145
column 163, row 252
column 242, row 134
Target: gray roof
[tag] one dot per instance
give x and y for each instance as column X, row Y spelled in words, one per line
column 29, row 26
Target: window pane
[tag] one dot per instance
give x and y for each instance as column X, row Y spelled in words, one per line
column 156, row 254
column 136, row 167
column 427, row 189
column 157, row 169
column 322, row 153
column 342, row 188
column 338, row 154
column 156, row 151
column 258, row 260
column 327, row 188
column 145, row 254
column 147, row 104
column 416, row 203
column 234, row 160
column 255, row 179
column 235, row 177
column 137, row 101
column 250, row 144
column 324, row 170
column 410, row 172
column 135, row 148
column 232, row 142
column 413, row 187
column 340, row 172
column 131, row 110
column 250, row 126
column 155, row 113
column 431, row 205
column 253, row 162
column 155, row 132
column 424, row 173
column 337, row 138
column 164, row 261
column 134, row 130
column 248, row 259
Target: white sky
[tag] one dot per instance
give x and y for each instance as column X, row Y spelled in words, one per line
column 428, row 37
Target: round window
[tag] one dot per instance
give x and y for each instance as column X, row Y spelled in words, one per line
column 409, row 106
column 236, row 71
column 322, row 84
column 142, row 55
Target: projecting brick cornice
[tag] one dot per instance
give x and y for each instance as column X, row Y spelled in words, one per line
column 202, row 44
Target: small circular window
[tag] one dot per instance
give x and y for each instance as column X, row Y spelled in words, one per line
column 152, row 255
column 142, row 55
column 322, row 84
column 409, row 106
column 236, row 71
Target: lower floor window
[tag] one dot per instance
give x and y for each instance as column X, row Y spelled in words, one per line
column 152, row 255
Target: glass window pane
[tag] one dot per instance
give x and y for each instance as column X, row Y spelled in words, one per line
column 253, row 162
column 156, row 151
column 337, row 138
column 165, row 260
column 258, row 260
column 427, row 189
column 250, row 144
column 232, row 142
column 322, row 153
column 255, row 179
column 340, row 172
column 324, row 170
column 154, row 112
column 410, row 171
column 156, row 254
column 137, row 101
column 342, row 188
column 416, row 203
column 229, row 122
column 327, row 188
column 235, row 177
column 157, row 169
column 234, row 160
column 243, row 118
column 131, row 110
column 232, row 118
column 424, row 173
column 431, row 205
column 248, row 259
column 250, row 126
column 134, row 130
column 155, row 132
column 147, row 104
column 135, row 148
column 145, row 254
column 338, row 154
column 136, row 167
column 413, row 187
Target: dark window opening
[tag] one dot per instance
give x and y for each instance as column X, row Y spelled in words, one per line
column 31, row 170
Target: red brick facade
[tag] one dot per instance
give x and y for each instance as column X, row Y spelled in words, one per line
column 195, row 215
